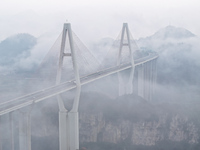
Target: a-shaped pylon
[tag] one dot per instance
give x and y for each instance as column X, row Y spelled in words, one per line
column 125, row 88
column 68, row 121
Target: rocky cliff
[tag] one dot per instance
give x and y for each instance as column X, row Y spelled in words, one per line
column 95, row 128
column 134, row 121
column 123, row 123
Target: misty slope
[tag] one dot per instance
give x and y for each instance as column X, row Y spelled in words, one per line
column 15, row 48
column 178, row 62
column 165, row 38
column 128, row 122
column 172, row 32
column 101, row 48
column 12, row 50
column 127, row 111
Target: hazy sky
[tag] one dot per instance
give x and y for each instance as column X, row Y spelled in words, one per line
column 94, row 19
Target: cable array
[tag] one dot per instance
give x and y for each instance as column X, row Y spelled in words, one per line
column 112, row 55
column 86, row 61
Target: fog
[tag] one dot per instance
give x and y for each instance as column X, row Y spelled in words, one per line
column 97, row 24
column 88, row 18
column 91, row 21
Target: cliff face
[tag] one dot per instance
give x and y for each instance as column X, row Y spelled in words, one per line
column 96, row 128
column 125, row 123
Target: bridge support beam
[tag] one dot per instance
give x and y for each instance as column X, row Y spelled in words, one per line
column 122, row 88
column 22, row 132
column 63, row 131
column 150, row 80
column 146, row 79
column 141, row 81
column 11, row 125
column 68, row 130
column 129, row 87
column 1, row 133
column 154, row 69
column 126, row 87
column 25, row 131
column 74, row 130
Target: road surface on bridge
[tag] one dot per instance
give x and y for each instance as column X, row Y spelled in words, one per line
column 38, row 96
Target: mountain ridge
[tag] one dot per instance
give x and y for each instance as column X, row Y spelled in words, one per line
column 170, row 32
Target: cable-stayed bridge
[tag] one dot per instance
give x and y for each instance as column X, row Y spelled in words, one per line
column 72, row 65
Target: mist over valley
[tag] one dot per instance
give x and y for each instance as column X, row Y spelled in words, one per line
column 169, row 121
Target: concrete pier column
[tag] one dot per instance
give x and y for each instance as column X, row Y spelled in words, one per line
column 129, row 85
column 63, row 131
column 74, row 130
column 11, row 126
column 150, row 81
column 141, row 80
column 154, row 69
column 121, row 85
column 145, row 80
column 0, row 134
column 24, row 131
column 29, row 131
column 126, row 83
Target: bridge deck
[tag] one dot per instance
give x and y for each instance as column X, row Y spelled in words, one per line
column 35, row 97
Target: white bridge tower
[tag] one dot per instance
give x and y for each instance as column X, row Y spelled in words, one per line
column 68, row 120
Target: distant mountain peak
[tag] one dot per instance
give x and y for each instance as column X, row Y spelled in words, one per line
column 172, row 32
column 16, row 47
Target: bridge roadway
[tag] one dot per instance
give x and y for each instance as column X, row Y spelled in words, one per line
column 38, row 96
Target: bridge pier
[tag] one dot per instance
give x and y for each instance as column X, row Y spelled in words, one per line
column 126, row 87
column 150, row 81
column 11, row 125
column 121, row 89
column 63, row 131
column 74, row 130
column 154, row 74
column 141, row 80
column 68, row 130
column 25, row 128
column 1, row 133
column 146, row 79
column 24, row 131
column 130, row 81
